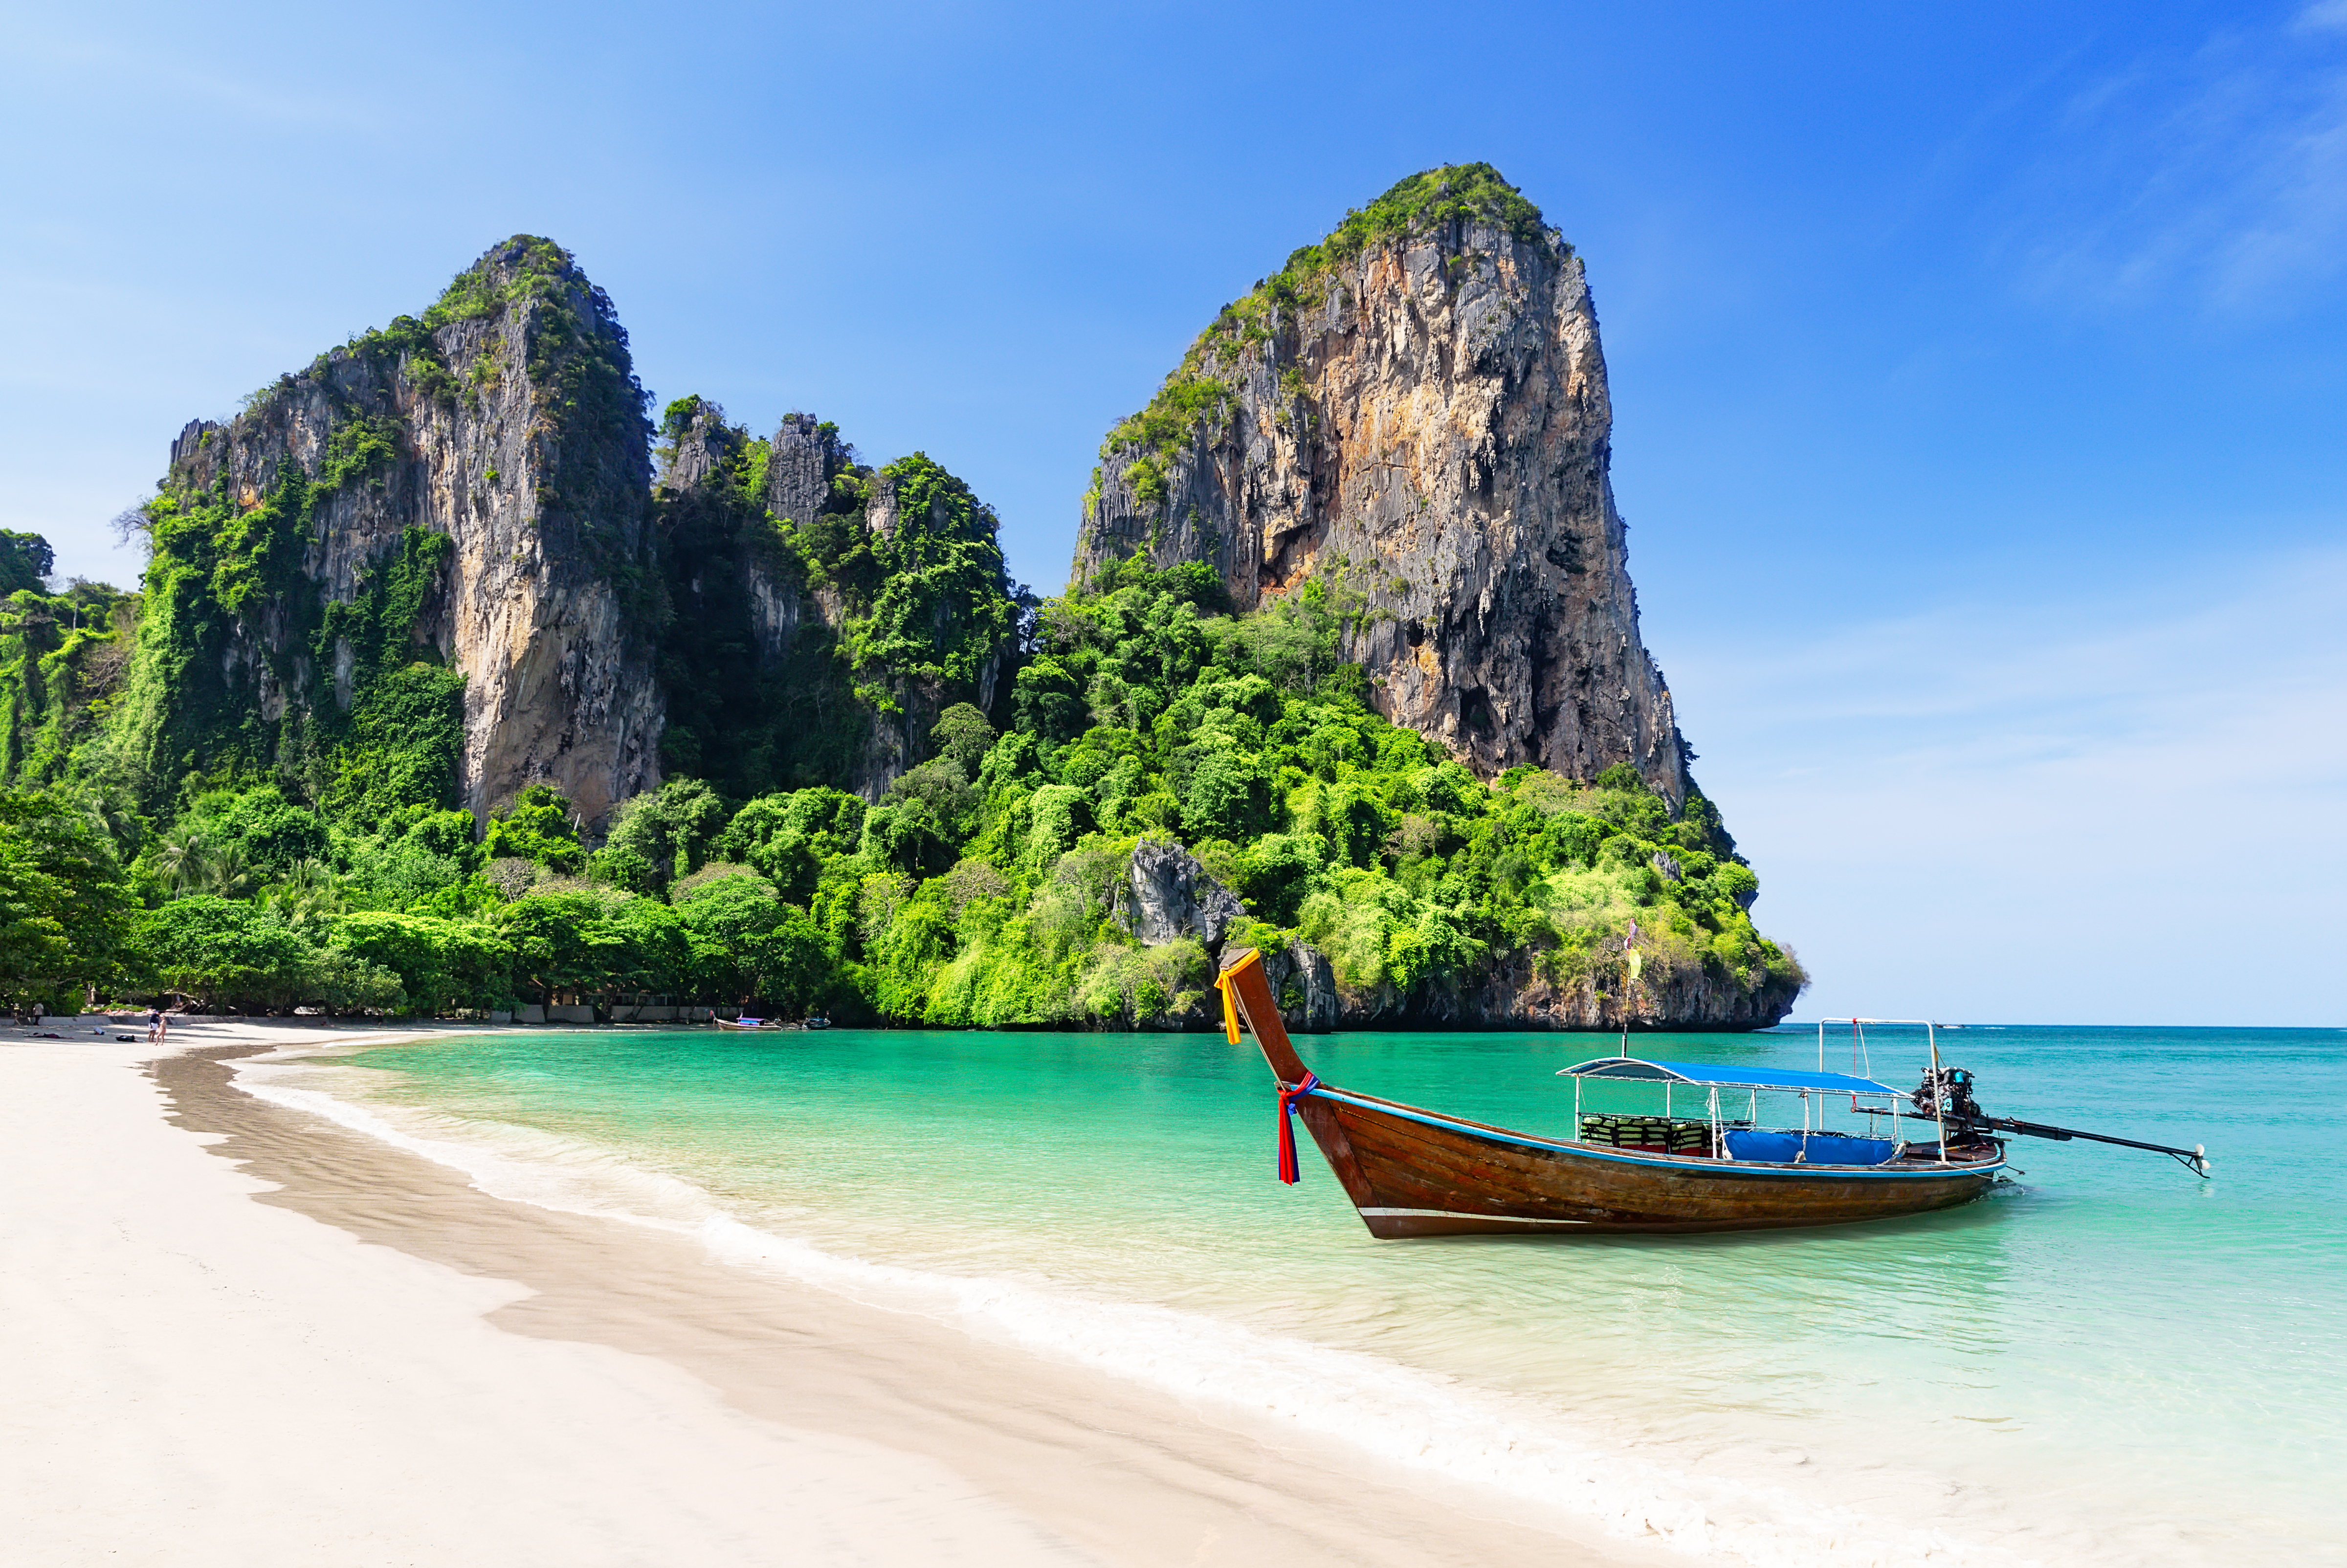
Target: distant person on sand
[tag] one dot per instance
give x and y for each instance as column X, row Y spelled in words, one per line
column 158, row 1026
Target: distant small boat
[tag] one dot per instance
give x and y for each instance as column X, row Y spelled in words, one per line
column 744, row 1025
column 818, row 1021
column 1416, row 1173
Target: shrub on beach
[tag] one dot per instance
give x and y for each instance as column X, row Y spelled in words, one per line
column 235, row 957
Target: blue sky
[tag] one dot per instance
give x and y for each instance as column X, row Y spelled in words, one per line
column 1978, row 369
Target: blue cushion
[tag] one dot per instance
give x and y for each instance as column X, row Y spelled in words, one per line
column 1825, row 1149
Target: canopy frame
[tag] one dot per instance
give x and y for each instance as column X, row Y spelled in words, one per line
column 1931, row 1036
column 1718, row 1075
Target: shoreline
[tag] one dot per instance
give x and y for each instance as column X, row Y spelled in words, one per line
column 853, row 1417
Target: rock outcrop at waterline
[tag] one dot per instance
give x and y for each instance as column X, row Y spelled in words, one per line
column 1513, row 993
column 1416, row 410
column 1165, row 895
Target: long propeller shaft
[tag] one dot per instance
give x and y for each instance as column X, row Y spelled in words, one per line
column 2193, row 1159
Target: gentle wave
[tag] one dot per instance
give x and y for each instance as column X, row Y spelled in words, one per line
column 1393, row 1412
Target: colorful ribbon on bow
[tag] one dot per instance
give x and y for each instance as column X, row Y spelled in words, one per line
column 1287, row 1098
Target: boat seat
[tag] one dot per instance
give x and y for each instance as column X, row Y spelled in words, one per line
column 1821, row 1148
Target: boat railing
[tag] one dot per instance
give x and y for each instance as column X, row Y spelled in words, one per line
column 1861, row 1059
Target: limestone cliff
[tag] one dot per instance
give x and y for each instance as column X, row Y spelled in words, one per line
column 445, row 563
column 438, row 531
column 1416, row 409
column 823, row 613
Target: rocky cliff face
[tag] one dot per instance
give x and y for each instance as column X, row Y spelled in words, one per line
column 1513, row 993
column 1167, row 895
column 823, row 613
column 432, row 569
column 507, row 423
column 1416, row 412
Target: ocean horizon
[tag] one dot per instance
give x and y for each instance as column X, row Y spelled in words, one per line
column 2107, row 1362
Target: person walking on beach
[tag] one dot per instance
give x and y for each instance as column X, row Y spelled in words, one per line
column 158, row 1026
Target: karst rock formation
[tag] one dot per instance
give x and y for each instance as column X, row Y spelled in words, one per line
column 1417, row 411
column 509, row 423
column 456, row 544
column 456, row 558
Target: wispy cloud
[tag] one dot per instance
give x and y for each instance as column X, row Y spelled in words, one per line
column 217, row 78
column 2220, row 172
column 2325, row 16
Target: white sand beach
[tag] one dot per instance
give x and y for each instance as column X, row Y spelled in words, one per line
column 239, row 1334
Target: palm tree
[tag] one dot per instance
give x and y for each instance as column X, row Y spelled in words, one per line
column 309, row 894
column 182, row 861
column 225, row 873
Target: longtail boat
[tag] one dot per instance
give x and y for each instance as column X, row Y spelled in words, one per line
column 1411, row 1172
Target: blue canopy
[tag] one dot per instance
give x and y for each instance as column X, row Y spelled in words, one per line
column 1716, row 1075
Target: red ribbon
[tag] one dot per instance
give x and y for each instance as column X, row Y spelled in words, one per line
column 1287, row 1098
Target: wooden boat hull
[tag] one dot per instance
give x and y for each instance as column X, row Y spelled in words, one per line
column 1412, row 1172
column 1416, row 1173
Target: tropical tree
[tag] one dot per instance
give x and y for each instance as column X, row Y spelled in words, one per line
column 223, row 953
column 440, row 963
column 538, row 826
column 65, row 909
column 307, row 895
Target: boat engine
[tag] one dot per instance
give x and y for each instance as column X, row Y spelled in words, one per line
column 1948, row 1090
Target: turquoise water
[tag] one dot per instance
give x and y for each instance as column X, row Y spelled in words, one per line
column 2109, row 1362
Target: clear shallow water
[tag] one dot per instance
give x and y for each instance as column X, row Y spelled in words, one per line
column 2109, row 1362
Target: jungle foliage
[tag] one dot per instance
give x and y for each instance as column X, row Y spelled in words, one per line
column 26, row 562
column 924, row 602
column 982, row 889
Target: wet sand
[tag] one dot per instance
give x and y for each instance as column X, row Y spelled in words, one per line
column 240, row 1332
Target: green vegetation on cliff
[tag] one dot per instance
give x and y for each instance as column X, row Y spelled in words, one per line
column 221, row 564
column 1148, row 713
column 62, row 661
column 985, row 886
column 241, row 785
column 749, row 718
column 982, row 888
column 923, row 603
